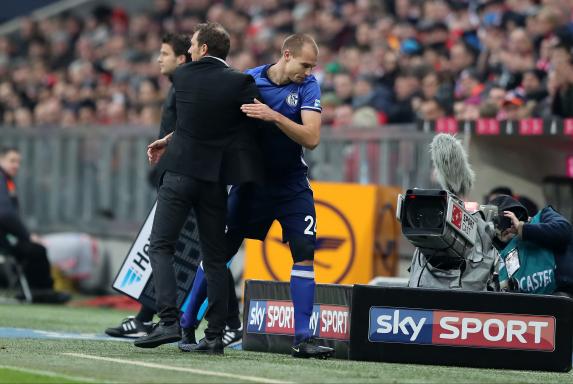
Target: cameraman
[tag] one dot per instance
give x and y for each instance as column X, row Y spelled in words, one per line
column 533, row 249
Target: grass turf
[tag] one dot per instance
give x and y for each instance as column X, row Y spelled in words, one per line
column 48, row 355
column 9, row 375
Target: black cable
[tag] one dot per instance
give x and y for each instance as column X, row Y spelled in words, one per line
column 422, row 271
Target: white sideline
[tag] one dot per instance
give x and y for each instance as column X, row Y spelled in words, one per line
column 53, row 374
column 180, row 369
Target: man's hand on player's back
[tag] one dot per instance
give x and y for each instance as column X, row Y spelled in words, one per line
column 258, row 110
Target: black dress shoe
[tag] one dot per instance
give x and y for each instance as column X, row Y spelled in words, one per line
column 211, row 347
column 188, row 339
column 161, row 334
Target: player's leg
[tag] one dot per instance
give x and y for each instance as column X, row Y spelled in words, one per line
column 298, row 220
column 198, row 294
column 302, row 286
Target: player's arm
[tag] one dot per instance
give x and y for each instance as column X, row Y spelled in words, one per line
column 306, row 134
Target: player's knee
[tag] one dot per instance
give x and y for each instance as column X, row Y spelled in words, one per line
column 302, row 250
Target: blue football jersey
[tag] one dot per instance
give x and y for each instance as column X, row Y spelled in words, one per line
column 283, row 157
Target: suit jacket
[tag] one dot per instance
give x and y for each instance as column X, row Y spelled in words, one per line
column 168, row 114
column 213, row 140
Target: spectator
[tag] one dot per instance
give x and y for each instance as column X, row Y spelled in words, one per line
column 342, row 116
column 517, row 58
column 496, row 94
column 365, row 95
column 343, row 87
column 406, row 88
column 329, row 103
column 436, row 86
column 462, row 56
column 463, row 111
column 562, row 95
column 69, row 118
column 514, row 107
column 469, row 88
column 535, row 91
column 87, row 113
column 106, row 57
column 22, row 118
column 488, row 110
column 365, row 117
column 431, row 109
column 389, row 69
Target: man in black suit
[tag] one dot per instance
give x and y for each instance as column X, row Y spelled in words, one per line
column 214, row 144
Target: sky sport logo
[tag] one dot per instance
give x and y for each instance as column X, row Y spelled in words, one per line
column 468, row 329
column 277, row 317
column 131, row 277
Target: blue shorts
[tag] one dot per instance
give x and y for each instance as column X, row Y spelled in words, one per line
column 251, row 209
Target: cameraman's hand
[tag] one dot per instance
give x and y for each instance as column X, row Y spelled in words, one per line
column 516, row 225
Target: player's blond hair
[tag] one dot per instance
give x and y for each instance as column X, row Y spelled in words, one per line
column 295, row 43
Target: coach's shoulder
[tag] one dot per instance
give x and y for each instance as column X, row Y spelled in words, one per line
column 239, row 76
column 235, row 73
column 181, row 70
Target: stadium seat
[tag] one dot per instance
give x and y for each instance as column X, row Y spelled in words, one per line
column 13, row 278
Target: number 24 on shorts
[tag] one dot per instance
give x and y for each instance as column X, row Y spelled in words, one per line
column 311, row 227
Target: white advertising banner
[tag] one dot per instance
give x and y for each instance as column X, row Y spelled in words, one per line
column 136, row 269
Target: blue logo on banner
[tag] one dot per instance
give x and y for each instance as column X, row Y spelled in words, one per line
column 315, row 320
column 132, row 276
column 257, row 316
column 400, row 325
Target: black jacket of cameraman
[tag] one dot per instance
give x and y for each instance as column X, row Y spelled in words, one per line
column 554, row 232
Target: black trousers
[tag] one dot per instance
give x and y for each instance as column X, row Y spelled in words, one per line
column 177, row 195
column 34, row 260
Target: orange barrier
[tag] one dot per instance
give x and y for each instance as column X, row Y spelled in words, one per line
column 357, row 237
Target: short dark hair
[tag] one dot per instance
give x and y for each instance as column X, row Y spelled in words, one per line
column 215, row 37
column 180, row 44
column 4, row 150
column 294, row 43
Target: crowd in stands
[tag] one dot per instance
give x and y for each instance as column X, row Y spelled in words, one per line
column 381, row 61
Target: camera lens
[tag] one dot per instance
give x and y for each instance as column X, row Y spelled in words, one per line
column 426, row 213
column 502, row 223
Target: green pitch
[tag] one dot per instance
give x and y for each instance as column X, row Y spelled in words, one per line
column 79, row 361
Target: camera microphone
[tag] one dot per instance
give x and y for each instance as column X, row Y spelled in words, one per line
column 453, row 171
